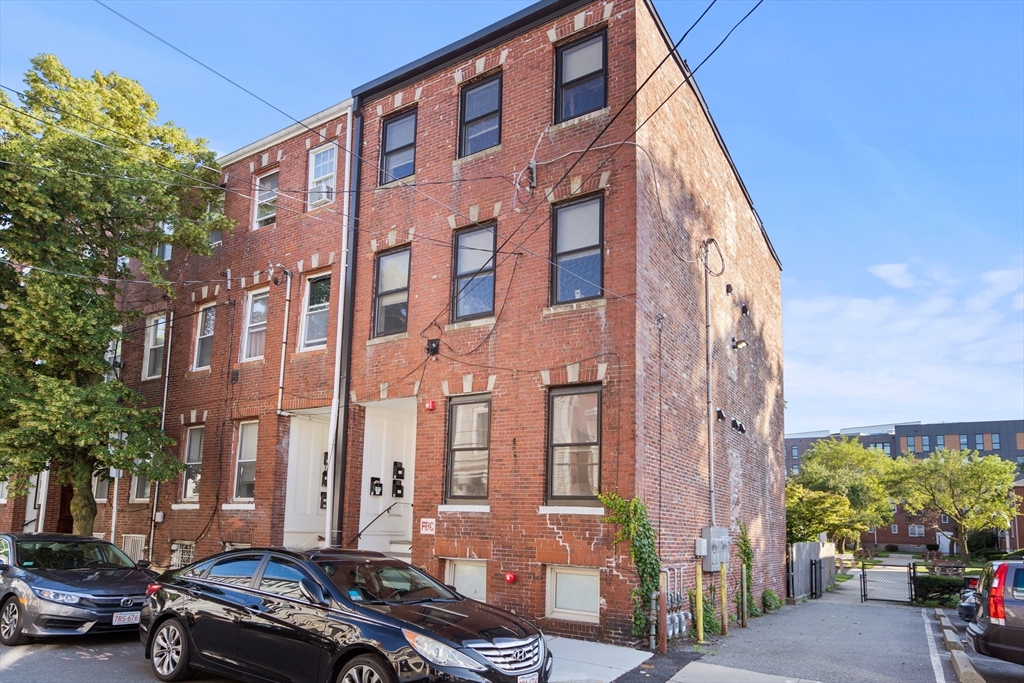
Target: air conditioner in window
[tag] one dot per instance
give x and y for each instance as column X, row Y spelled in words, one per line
column 321, row 194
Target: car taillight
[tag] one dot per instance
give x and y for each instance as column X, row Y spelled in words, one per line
column 152, row 588
column 996, row 607
column 972, row 582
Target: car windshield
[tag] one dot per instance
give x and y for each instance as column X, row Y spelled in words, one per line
column 66, row 555
column 373, row 581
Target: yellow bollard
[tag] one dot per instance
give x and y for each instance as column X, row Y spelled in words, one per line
column 725, row 602
column 700, row 607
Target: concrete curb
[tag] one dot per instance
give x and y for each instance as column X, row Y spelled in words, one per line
column 965, row 671
column 952, row 639
column 939, row 613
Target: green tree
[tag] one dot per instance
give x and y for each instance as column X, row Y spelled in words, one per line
column 844, row 467
column 88, row 180
column 975, row 491
column 809, row 513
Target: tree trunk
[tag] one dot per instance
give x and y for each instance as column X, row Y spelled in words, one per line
column 83, row 504
column 961, row 540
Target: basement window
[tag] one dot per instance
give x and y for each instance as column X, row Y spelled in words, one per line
column 574, row 594
column 469, row 577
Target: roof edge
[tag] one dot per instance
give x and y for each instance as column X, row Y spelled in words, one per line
column 525, row 19
column 304, row 125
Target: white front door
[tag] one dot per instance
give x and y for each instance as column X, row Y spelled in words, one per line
column 389, row 451
column 304, row 519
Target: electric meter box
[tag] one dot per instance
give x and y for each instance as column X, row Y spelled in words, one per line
column 717, row 538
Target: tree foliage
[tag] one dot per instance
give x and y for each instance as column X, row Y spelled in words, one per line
column 844, row 467
column 88, row 180
column 975, row 491
column 809, row 513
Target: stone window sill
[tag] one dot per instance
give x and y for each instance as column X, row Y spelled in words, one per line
column 387, row 338
column 574, row 306
column 463, row 508
column 184, row 506
column 571, row 510
column 467, row 324
column 238, row 506
column 569, row 123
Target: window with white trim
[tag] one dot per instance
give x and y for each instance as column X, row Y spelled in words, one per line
column 916, row 530
column 113, row 357
column 895, row 528
column 183, row 553
column 944, row 519
column 204, row 336
column 245, row 463
column 153, row 365
column 321, row 176
column 266, row 201
column 101, row 487
column 193, row 463
column 317, row 304
column 468, row 576
column 255, row 330
column 139, row 492
column 3, row 490
column 574, row 593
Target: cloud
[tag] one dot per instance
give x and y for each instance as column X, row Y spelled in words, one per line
column 894, row 275
column 946, row 350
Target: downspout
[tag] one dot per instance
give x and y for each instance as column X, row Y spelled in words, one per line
column 284, row 337
column 339, row 333
column 155, row 493
column 350, row 273
column 711, row 407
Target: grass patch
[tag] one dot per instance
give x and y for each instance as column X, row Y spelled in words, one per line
column 843, row 577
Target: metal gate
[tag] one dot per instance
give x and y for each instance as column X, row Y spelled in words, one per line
column 888, row 583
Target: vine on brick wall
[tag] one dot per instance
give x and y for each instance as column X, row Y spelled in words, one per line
column 746, row 553
column 635, row 527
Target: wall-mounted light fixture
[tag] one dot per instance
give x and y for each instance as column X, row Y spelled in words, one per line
column 738, row 344
column 728, row 289
column 720, row 414
column 743, row 309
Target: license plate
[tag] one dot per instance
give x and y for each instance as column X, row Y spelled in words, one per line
column 125, row 618
column 529, row 678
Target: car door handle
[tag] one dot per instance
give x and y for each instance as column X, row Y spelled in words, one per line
column 194, row 592
column 255, row 609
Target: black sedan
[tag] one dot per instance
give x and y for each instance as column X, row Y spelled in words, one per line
column 60, row 585
column 331, row 615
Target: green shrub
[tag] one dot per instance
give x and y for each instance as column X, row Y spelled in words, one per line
column 931, row 546
column 892, row 547
column 940, row 589
column 712, row 626
column 771, row 601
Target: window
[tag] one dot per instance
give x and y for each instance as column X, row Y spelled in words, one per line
column 391, row 311
column 193, row 463
column 963, row 442
column 140, row 490
column 893, row 507
column 255, row 325
column 101, row 486
column 911, row 447
column 398, row 159
column 474, row 273
column 5, row 550
column 266, row 201
column 183, row 553
column 795, row 453
column 944, row 519
column 480, row 116
column 321, row 176
column 468, row 577
column 940, row 442
column 796, row 469
column 895, row 528
column 580, row 78
column 578, row 229
column 215, row 237
column 871, row 529
column 926, row 444
column 245, row 468
column 283, row 578
column 995, row 442
column 318, row 300
column 163, row 251
column 887, row 448
column 468, row 454
column 113, row 357
column 204, row 336
column 154, row 347
column 574, row 593
column 237, row 571
column 3, row 490
column 574, row 460
column 916, row 530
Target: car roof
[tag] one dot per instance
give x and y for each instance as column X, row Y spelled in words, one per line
column 318, row 553
column 45, row 536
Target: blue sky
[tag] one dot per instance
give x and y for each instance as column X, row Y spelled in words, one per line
column 883, row 145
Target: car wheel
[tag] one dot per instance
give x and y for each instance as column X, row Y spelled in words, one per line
column 170, row 657
column 11, row 621
column 367, row 669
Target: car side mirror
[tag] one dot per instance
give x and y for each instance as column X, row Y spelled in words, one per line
column 313, row 593
column 144, row 564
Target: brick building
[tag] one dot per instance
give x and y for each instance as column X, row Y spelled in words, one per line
column 524, row 324
column 1004, row 438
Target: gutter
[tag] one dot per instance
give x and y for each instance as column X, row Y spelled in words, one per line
column 155, row 493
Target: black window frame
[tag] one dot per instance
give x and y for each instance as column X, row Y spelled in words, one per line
column 464, row 122
column 385, row 176
column 377, row 294
column 556, row 255
column 261, row 560
column 449, row 456
column 298, row 564
column 560, row 87
column 549, row 466
column 489, row 267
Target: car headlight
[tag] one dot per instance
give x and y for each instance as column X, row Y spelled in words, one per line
column 57, row 596
column 439, row 653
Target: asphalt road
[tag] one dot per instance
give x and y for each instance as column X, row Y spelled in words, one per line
column 836, row 639
column 992, row 670
column 107, row 657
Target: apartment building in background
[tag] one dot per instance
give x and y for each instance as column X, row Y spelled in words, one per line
column 1004, row 438
column 459, row 305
